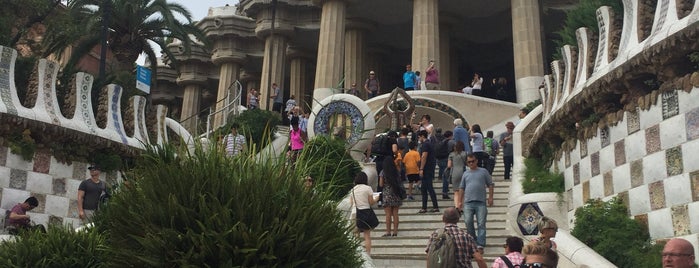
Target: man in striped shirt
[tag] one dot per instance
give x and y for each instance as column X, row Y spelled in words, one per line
column 466, row 251
column 234, row 142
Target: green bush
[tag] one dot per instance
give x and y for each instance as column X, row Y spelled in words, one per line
column 208, row 210
column 59, row 247
column 606, row 228
column 538, row 178
column 258, row 125
column 329, row 163
column 583, row 15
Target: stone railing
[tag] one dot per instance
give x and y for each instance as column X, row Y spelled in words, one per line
column 76, row 119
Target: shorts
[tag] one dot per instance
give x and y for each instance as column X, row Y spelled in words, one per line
column 413, row 177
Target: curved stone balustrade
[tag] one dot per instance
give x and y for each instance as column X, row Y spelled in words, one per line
column 77, row 114
column 638, row 39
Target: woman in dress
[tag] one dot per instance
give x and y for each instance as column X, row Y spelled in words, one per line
column 390, row 181
column 362, row 197
column 457, row 163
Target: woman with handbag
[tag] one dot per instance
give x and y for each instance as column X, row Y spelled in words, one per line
column 362, row 199
column 392, row 191
column 457, row 163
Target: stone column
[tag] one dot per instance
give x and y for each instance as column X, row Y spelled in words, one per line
column 229, row 71
column 445, row 64
column 425, row 35
column 528, row 49
column 329, row 66
column 192, row 75
column 298, row 85
column 191, row 102
column 273, row 66
column 355, row 53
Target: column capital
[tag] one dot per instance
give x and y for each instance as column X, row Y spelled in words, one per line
column 192, row 73
column 246, row 75
column 196, row 53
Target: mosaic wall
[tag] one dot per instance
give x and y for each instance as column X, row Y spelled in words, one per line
column 649, row 160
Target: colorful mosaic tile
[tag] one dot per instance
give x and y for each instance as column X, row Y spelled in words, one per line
column 567, row 159
column 624, row 197
column 3, row 156
column 671, row 105
column 656, row 191
column 637, row 173
column 42, row 203
column 79, row 170
column 604, row 138
column 619, row 153
column 653, row 139
column 608, row 179
column 18, row 179
column 692, row 121
column 528, row 217
column 680, row 220
column 59, row 186
column 633, row 122
column 594, row 163
column 42, row 162
column 54, row 220
column 585, row 191
column 642, row 218
column 583, row 148
column 430, row 104
column 323, row 122
column 673, row 161
column 576, row 174
column 694, row 182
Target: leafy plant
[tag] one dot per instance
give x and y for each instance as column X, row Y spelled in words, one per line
column 531, row 105
column 539, row 179
column 207, row 210
column 606, row 228
column 257, row 125
column 591, row 119
column 58, row 247
column 329, row 163
column 694, row 58
column 583, row 15
column 23, row 144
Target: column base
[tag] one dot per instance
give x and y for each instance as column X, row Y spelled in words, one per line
column 527, row 89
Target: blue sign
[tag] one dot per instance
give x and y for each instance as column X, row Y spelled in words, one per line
column 143, row 76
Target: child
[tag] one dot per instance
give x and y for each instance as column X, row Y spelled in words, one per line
column 412, row 167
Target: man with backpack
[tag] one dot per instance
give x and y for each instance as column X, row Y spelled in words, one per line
column 451, row 246
column 492, row 148
column 441, row 153
column 384, row 145
column 513, row 253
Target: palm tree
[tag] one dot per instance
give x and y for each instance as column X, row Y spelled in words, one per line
column 132, row 24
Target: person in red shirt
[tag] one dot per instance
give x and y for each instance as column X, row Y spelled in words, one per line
column 19, row 219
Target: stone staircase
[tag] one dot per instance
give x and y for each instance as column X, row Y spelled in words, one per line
column 408, row 248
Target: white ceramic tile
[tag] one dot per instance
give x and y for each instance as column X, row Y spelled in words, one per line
column 39, row 218
column 577, row 196
column 606, row 159
column 639, row 200
column 39, row 183
column 57, row 206
column 621, row 178
column 652, row 116
column 72, row 188
column 690, row 156
column 575, row 154
column 568, row 174
column 16, row 161
column 594, row 144
column 597, row 187
column 654, row 167
column 678, row 190
column 60, row 170
column 618, row 132
column 693, row 210
column 687, row 101
column 585, row 172
column 635, row 146
column 660, row 224
column 11, row 197
column 4, row 177
column 673, row 132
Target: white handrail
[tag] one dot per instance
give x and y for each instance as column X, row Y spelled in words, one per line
column 232, row 101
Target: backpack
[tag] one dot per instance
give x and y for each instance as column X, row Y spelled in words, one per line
column 508, row 262
column 442, row 149
column 442, row 251
column 488, row 145
column 381, row 145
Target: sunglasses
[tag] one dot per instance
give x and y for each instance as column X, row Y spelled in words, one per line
column 471, row 161
column 534, row 265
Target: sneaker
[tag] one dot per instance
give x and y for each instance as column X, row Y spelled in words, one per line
column 410, row 197
column 434, row 210
column 422, row 211
column 446, row 197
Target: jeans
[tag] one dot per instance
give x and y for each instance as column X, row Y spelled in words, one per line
column 442, row 164
column 478, row 209
column 428, row 188
column 507, row 160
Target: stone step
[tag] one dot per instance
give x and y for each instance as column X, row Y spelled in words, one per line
column 420, row 235
column 406, row 211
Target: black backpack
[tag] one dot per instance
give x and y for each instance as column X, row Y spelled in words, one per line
column 441, row 151
column 381, row 145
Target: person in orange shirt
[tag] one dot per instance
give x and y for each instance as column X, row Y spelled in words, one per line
column 411, row 160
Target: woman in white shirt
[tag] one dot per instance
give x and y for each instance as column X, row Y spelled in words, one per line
column 364, row 196
column 476, row 85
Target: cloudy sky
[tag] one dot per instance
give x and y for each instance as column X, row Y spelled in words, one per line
column 199, row 8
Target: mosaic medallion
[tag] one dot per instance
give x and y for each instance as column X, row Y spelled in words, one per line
column 18, row 179
column 324, row 119
column 633, row 122
column 653, row 139
column 604, row 138
column 673, row 161
column 671, row 106
column 528, row 217
column 583, row 148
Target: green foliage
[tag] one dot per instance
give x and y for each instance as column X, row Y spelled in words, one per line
column 24, row 66
column 208, row 210
column 59, row 247
column 258, row 125
column 538, row 178
column 531, row 105
column 23, row 144
column 590, row 120
column 694, row 58
column 583, row 15
column 327, row 161
column 107, row 160
column 606, row 228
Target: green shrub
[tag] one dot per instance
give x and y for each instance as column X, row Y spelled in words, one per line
column 258, row 125
column 583, row 15
column 59, row 247
column 329, row 163
column 606, row 228
column 538, row 178
column 23, row 144
column 208, row 210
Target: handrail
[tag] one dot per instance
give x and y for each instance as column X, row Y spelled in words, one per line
column 199, row 112
column 232, row 106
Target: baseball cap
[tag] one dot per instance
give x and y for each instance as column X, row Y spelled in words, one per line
column 95, row 167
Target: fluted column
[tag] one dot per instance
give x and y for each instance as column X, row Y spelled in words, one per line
column 229, row 71
column 191, row 101
column 329, row 66
column 528, row 51
column 355, row 53
column 297, row 81
column 425, row 34
column 273, row 65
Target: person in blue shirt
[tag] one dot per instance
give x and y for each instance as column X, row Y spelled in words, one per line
column 409, row 78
